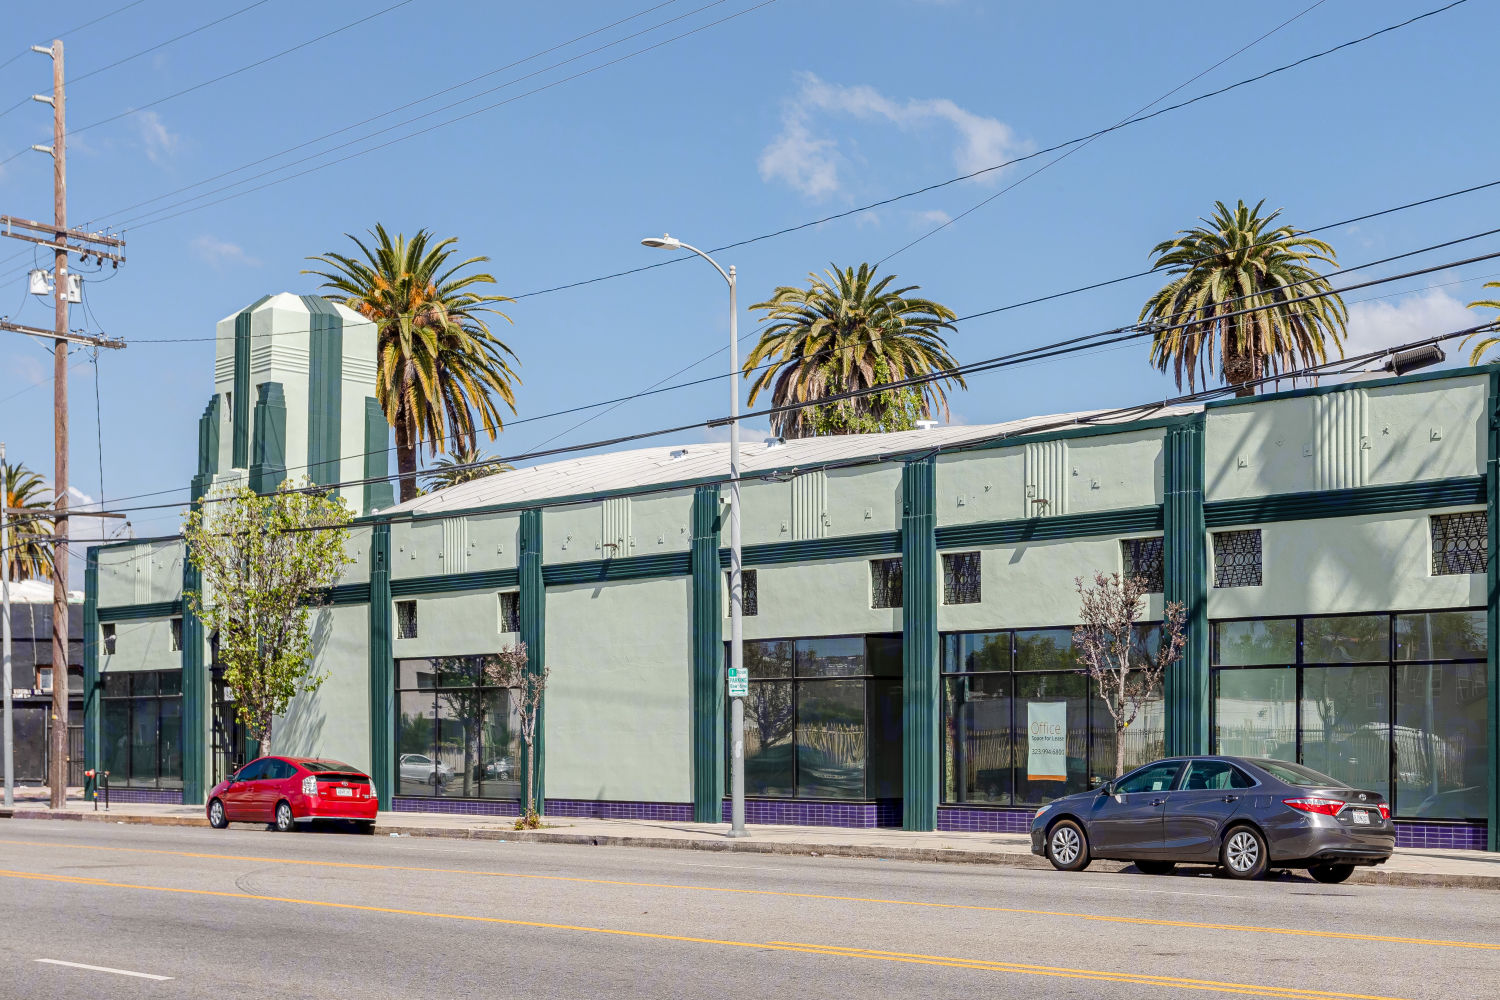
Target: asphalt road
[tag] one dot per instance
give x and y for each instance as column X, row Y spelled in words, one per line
column 258, row 914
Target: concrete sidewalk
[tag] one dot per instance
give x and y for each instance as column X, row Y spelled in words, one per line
column 1409, row 866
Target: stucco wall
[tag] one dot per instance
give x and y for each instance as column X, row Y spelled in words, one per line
column 141, row 645
column 619, row 700
column 619, row 527
column 333, row 721
column 830, row 597
column 463, row 624
column 140, row 574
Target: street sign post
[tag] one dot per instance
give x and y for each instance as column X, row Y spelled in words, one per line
column 739, row 683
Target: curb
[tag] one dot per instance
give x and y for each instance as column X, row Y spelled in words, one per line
column 1003, row 859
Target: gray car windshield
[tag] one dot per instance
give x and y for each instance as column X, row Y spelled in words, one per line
column 1296, row 774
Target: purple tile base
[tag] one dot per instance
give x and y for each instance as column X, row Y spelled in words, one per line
column 794, row 812
column 964, row 819
column 672, row 812
column 160, row 796
column 1454, row 836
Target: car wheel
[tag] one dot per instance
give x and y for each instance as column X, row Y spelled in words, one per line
column 434, row 779
column 1154, row 867
column 216, row 815
column 1331, row 874
column 1068, row 847
column 1243, row 854
column 283, row 817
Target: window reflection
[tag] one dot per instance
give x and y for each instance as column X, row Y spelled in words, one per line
column 141, row 728
column 1255, row 713
column 457, row 729
column 1441, row 768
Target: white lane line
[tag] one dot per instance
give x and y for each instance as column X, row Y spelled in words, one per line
column 101, row 968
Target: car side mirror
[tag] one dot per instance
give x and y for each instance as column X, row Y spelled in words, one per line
column 1108, row 788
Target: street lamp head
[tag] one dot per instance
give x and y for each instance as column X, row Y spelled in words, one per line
column 662, row 242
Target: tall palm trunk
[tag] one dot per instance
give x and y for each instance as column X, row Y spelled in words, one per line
column 406, row 460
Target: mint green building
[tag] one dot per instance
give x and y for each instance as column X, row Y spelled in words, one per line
column 909, row 603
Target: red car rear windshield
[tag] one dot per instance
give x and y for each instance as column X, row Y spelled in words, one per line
column 318, row 766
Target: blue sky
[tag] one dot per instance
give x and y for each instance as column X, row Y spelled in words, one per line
column 787, row 113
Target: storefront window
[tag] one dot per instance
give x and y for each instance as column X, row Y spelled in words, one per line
column 1411, row 731
column 141, row 728
column 457, row 729
column 977, row 752
column 823, row 718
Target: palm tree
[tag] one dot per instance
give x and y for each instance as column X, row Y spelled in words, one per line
column 1485, row 342
column 437, row 361
column 463, row 466
column 27, row 552
column 1237, row 261
column 848, row 331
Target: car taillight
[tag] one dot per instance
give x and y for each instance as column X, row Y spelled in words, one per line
column 309, row 785
column 1313, row 804
column 1385, row 810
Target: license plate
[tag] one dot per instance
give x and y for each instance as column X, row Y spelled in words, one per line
column 349, row 793
column 1360, row 817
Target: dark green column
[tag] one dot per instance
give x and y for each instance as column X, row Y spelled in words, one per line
column 1186, row 580
column 268, row 451
column 195, row 694
column 919, row 646
column 708, row 660
column 534, row 634
column 208, row 447
column 239, row 413
column 91, row 660
column 325, row 388
column 382, row 666
column 379, row 493
column 1492, row 605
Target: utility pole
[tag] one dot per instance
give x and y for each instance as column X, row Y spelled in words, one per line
column 7, row 736
column 61, row 240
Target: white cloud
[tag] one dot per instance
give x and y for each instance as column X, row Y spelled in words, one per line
column 804, row 157
column 931, row 217
column 1375, row 326
column 29, row 369
column 160, row 142
column 221, row 253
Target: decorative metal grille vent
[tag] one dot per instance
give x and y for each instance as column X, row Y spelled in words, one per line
column 961, row 578
column 885, row 583
column 1143, row 557
column 406, row 619
column 1460, row 543
column 510, row 612
column 1237, row 558
column 749, row 596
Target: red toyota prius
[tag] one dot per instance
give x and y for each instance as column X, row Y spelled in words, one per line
column 290, row 790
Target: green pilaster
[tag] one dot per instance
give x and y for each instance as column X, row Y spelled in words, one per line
column 1186, row 581
column 195, row 695
column 208, row 447
column 708, row 660
column 240, row 415
column 268, row 452
column 382, row 666
column 325, row 385
column 379, row 493
column 91, row 660
column 534, row 633
column 919, row 646
column 1492, row 604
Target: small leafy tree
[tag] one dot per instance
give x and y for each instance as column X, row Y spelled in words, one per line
column 528, row 684
column 1115, row 653
column 264, row 561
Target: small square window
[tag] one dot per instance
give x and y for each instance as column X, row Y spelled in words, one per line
column 176, row 635
column 749, row 594
column 1143, row 557
column 406, row 619
column 1460, row 543
column 961, row 578
column 44, row 680
column 1237, row 558
column 510, row 612
column 107, row 631
column 885, row 583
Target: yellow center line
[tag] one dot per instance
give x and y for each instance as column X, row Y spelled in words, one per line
column 780, row 893
column 827, row 951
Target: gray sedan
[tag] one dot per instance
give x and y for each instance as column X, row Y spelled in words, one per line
column 1244, row 814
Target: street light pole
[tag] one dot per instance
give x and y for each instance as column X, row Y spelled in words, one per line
column 736, row 593
column 8, row 734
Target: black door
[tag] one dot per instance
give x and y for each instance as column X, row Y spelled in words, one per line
column 29, row 726
column 1128, row 824
column 1212, row 792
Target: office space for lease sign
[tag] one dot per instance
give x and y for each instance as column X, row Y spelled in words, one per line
column 1047, row 740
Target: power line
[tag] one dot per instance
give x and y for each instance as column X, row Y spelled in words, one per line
column 70, row 31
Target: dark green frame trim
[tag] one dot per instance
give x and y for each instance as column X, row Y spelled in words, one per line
column 921, row 702
column 382, row 667
column 378, row 495
column 1185, row 579
column 140, row 612
column 813, row 549
column 239, row 414
column 325, row 389
column 268, row 450
column 345, row 594
column 456, row 582
column 534, row 635
column 1492, row 603
column 208, row 449
column 1105, row 522
column 1463, row 491
column 91, row 686
column 632, row 568
column 195, row 690
column 708, row 660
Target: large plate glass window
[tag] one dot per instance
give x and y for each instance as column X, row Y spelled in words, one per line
column 457, row 729
column 141, row 728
